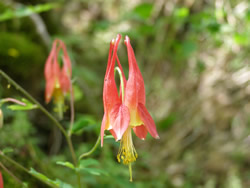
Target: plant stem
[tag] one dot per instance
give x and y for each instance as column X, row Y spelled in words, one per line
column 26, row 94
column 72, row 110
column 49, row 115
column 93, row 149
column 12, row 100
column 10, row 173
column 22, row 168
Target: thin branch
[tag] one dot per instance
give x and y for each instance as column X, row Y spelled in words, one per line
column 23, row 168
column 93, row 149
column 72, row 110
column 26, row 94
column 49, row 115
column 12, row 100
column 10, row 173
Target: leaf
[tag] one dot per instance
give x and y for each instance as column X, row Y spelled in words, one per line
column 22, row 11
column 63, row 184
column 143, row 10
column 94, row 171
column 66, row 164
column 181, row 12
column 28, row 106
column 88, row 162
column 7, row 150
column 82, row 123
column 44, row 178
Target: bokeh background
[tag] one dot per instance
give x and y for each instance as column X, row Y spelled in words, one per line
column 194, row 56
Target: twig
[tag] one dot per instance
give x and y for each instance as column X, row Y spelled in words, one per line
column 93, row 149
column 23, row 168
column 10, row 173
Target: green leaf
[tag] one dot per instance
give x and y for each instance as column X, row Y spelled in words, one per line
column 63, row 184
column 143, row 10
column 28, row 106
column 22, row 11
column 88, row 162
column 7, row 150
column 181, row 12
column 66, row 164
column 94, row 171
column 44, row 178
column 82, row 123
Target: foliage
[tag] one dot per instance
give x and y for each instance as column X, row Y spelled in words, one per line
column 194, row 57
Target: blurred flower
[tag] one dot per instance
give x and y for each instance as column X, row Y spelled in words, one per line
column 127, row 111
column 1, row 180
column 57, row 78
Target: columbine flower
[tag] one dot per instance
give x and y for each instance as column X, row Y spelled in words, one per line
column 1, row 181
column 127, row 111
column 57, row 78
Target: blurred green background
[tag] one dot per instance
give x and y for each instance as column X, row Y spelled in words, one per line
column 194, row 57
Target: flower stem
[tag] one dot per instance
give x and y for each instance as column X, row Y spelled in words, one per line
column 93, row 149
column 10, row 173
column 72, row 110
column 26, row 94
column 49, row 115
column 11, row 100
column 23, row 168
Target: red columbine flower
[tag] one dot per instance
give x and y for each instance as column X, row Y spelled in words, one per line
column 57, row 78
column 1, row 181
column 128, row 111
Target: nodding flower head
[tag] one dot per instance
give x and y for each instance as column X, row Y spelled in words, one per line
column 125, row 111
column 1, row 180
column 57, row 78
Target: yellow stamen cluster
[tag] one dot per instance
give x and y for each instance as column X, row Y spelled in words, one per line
column 127, row 152
column 59, row 102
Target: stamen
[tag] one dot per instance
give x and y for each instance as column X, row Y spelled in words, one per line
column 127, row 152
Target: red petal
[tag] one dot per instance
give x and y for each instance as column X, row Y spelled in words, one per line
column 51, row 72
column 119, row 119
column 66, row 60
column 131, row 98
column 135, row 74
column 110, row 94
column 104, row 120
column 65, row 80
column 1, row 181
column 147, row 120
column 140, row 131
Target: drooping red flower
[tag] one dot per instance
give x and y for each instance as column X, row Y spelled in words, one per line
column 57, row 78
column 127, row 111
column 1, row 180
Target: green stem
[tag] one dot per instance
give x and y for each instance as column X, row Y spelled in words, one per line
column 121, row 81
column 72, row 110
column 49, row 115
column 10, row 173
column 23, row 168
column 26, row 94
column 93, row 149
